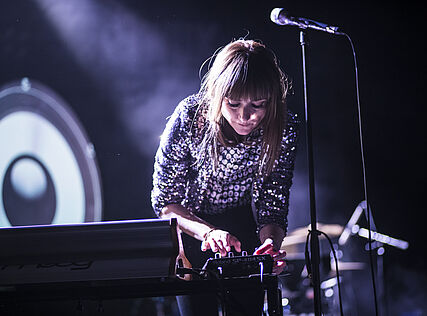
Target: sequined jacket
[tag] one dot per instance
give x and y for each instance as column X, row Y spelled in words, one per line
column 178, row 179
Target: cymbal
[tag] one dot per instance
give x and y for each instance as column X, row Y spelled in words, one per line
column 299, row 236
column 343, row 265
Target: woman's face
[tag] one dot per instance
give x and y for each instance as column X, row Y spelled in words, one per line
column 244, row 115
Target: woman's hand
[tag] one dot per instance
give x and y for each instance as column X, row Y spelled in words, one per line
column 267, row 249
column 220, row 241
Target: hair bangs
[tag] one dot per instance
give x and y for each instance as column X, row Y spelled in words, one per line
column 251, row 81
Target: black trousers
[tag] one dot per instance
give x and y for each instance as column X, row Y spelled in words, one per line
column 239, row 222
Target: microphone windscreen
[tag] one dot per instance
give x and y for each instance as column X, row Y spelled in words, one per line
column 274, row 16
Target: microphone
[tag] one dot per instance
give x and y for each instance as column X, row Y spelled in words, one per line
column 281, row 17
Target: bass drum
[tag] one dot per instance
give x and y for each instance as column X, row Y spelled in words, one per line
column 48, row 170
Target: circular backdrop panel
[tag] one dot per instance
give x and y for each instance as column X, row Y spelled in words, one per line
column 48, row 170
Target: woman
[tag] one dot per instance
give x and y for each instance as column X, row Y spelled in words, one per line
column 225, row 162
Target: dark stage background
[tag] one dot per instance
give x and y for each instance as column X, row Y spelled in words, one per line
column 122, row 66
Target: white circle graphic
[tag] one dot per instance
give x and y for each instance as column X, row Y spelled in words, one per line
column 28, row 179
column 28, row 133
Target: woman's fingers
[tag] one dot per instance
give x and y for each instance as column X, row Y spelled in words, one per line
column 234, row 242
column 221, row 241
column 278, row 255
column 213, row 245
column 222, row 249
column 229, row 241
column 265, row 248
column 278, row 267
column 279, row 262
column 225, row 242
column 204, row 246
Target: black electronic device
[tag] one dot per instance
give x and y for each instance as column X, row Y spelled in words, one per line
column 239, row 266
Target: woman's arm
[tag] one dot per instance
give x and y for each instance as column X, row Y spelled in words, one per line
column 271, row 194
column 212, row 238
column 188, row 222
column 271, row 199
column 273, row 232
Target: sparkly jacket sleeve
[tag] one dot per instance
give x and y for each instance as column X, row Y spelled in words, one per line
column 171, row 161
column 271, row 195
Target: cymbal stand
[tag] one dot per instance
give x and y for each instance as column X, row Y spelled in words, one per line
column 378, row 241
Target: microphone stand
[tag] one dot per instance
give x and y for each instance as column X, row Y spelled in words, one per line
column 314, row 244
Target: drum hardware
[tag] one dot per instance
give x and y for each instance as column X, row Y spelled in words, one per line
column 294, row 245
column 343, row 266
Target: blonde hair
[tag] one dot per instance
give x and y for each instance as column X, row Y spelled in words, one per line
column 244, row 69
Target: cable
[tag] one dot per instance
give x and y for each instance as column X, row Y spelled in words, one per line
column 226, row 298
column 308, row 263
column 205, row 275
column 337, row 270
column 365, row 186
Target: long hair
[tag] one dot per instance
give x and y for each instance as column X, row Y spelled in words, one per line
column 244, row 69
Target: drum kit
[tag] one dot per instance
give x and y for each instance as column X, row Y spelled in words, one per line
column 297, row 292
